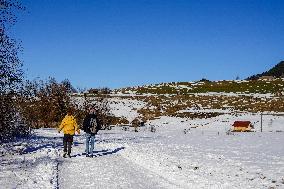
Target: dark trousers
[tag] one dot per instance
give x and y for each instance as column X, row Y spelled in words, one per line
column 67, row 143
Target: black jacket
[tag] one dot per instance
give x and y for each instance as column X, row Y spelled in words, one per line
column 87, row 124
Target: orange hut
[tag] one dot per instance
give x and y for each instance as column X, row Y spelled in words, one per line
column 242, row 126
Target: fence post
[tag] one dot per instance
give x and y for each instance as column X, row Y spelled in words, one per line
column 260, row 122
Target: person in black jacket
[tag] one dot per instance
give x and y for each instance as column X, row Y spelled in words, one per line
column 91, row 126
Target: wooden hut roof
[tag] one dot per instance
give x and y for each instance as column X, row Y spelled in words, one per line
column 241, row 123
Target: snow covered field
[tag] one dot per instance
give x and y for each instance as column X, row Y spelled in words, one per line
column 125, row 108
column 180, row 154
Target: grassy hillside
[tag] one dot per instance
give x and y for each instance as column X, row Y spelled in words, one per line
column 254, row 86
column 175, row 99
column 201, row 99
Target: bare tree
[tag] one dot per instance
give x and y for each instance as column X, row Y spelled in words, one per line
column 44, row 104
column 10, row 72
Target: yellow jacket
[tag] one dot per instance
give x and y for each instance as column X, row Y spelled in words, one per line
column 69, row 125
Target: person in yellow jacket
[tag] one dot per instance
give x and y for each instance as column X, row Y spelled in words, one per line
column 69, row 126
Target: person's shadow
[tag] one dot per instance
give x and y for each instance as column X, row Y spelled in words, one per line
column 54, row 145
column 101, row 152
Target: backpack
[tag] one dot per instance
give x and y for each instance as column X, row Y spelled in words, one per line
column 93, row 125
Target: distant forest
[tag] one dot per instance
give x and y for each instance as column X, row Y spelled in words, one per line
column 276, row 71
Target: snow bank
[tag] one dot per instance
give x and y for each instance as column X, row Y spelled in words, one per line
column 34, row 166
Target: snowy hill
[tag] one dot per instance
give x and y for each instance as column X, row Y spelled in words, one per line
column 199, row 99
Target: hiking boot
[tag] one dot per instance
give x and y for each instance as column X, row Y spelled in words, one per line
column 69, row 156
column 64, row 155
column 91, row 156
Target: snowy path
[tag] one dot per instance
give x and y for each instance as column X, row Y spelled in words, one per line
column 108, row 169
column 104, row 172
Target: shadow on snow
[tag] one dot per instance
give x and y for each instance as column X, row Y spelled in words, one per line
column 42, row 142
column 101, row 152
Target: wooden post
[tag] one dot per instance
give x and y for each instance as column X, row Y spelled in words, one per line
column 260, row 122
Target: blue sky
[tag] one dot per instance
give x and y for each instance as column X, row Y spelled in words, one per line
column 118, row 43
